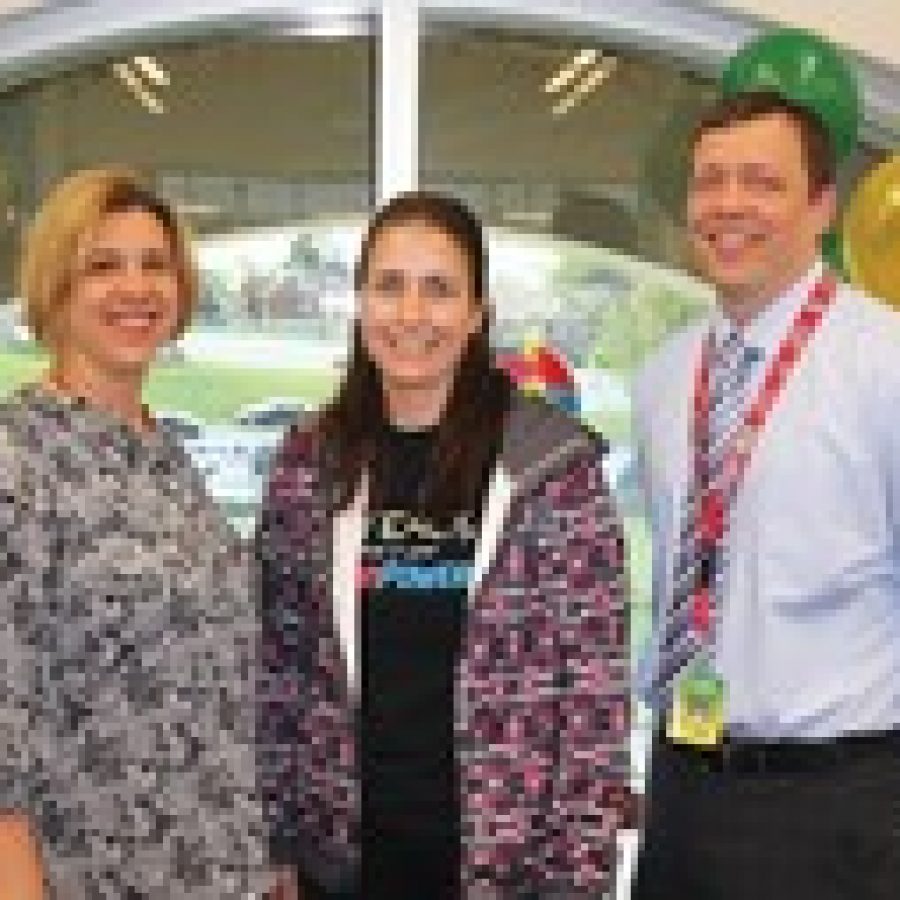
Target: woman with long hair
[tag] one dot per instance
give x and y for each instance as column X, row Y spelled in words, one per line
column 445, row 705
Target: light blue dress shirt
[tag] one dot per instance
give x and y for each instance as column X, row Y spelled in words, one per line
column 809, row 636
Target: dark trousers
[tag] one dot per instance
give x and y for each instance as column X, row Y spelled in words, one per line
column 773, row 827
column 384, row 882
column 309, row 890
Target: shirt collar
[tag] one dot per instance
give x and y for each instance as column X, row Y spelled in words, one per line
column 77, row 423
column 766, row 329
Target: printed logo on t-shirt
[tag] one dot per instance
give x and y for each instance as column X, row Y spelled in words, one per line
column 405, row 552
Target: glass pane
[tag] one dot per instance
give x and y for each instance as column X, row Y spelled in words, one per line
column 572, row 152
column 276, row 180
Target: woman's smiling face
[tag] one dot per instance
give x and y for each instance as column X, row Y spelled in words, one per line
column 125, row 294
column 417, row 305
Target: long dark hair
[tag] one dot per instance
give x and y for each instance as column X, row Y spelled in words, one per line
column 471, row 427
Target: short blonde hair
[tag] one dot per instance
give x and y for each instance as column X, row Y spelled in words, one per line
column 72, row 210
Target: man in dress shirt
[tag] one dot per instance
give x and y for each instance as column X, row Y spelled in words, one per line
column 790, row 785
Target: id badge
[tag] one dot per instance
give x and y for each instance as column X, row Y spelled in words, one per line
column 697, row 716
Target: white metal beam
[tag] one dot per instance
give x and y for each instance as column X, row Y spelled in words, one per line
column 398, row 98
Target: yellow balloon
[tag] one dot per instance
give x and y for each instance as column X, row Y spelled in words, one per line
column 871, row 232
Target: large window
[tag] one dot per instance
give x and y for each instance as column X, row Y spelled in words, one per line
column 573, row 151
column 265, row 146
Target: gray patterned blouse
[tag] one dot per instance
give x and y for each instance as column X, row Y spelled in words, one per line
column 127, row 640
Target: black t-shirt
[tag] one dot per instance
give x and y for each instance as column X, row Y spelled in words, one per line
column 415, row 576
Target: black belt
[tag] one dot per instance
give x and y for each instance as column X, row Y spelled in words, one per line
column 758, row 757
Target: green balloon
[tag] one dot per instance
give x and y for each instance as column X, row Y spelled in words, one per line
column 808, row 71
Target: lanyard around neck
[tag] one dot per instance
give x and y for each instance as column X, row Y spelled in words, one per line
column 718, row 489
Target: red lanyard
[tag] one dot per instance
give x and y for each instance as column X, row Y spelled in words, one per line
column 710, row 523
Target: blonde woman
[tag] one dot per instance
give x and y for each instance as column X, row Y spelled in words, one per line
column 125, row 622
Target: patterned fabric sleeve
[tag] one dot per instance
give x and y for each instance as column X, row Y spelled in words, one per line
column 277, row 707
column 20, row 577
column 591, row 799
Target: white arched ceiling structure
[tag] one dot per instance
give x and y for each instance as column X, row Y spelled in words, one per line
column 37, row 37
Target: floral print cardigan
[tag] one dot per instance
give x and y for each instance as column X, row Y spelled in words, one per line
column 542, row 686
column 127, row 640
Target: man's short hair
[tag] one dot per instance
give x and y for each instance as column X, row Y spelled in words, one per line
column 816, row 142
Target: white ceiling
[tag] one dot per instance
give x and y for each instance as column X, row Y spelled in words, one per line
column 871, row 27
